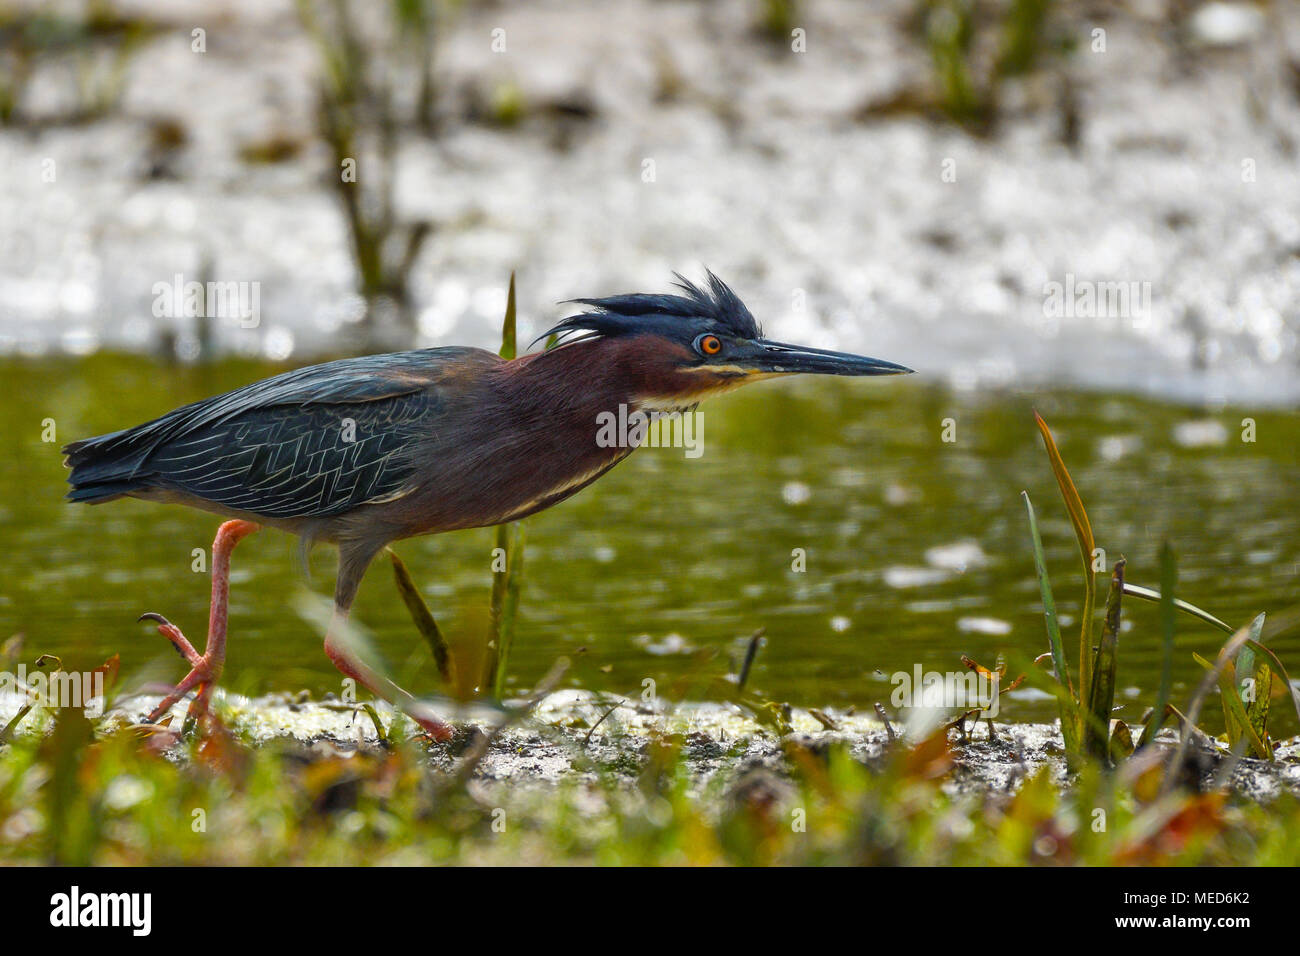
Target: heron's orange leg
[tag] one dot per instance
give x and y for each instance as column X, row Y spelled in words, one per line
column 205, row 668
column 352, row 666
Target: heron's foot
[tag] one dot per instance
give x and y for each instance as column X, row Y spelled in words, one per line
column 435, row 728
column 173, row 633
column 337, row 650
column 205, row 671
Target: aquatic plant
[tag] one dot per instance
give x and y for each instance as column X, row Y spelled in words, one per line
column 360, row 110
column 1085, row 707
column 96, row 47
column 957, row 35
column 509, row 551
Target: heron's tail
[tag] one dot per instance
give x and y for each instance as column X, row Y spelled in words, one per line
column 106, row 467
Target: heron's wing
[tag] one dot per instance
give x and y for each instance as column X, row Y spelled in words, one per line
column 298, row 461
column 313, row 442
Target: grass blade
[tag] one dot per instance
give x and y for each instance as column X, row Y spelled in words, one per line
column 1286, row 678
column 1049, row 602
column 496, row 606
column 373, row 714
column 422, row 616
column 1102, row 700
column 7, row 731
column 1226, row 654
column 1147, row 594
column 1245, row 663
column 751, row 652
column 508, row 339
column 509, row 544
column 1082, row 533
column 510, row 607
column 1235, row 719
column 1168, row 579
column 1257, row 709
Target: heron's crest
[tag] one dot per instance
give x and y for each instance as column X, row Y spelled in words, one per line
column 712, row 309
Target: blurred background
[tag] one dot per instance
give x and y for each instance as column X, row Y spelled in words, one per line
column 1092, row 208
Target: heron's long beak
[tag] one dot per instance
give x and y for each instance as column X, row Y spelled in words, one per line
column 775, row 358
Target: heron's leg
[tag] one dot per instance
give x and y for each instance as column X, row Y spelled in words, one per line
column 205, row 668
column 352, row 565
column 338, row 651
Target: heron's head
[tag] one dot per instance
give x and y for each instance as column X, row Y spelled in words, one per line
column 682, row 348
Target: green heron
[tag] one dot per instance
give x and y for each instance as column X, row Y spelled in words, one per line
column 365, row 451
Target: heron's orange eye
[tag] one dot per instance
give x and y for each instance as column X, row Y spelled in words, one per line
column 710, row 344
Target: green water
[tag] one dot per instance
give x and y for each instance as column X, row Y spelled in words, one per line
column 669, row 556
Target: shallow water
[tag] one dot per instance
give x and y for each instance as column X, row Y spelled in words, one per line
column 917, row 549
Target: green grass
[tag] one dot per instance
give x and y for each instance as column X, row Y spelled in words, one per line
column 75, row 798
column 1242, row 672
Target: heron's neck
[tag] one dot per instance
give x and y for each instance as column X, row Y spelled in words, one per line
column 580, row 381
